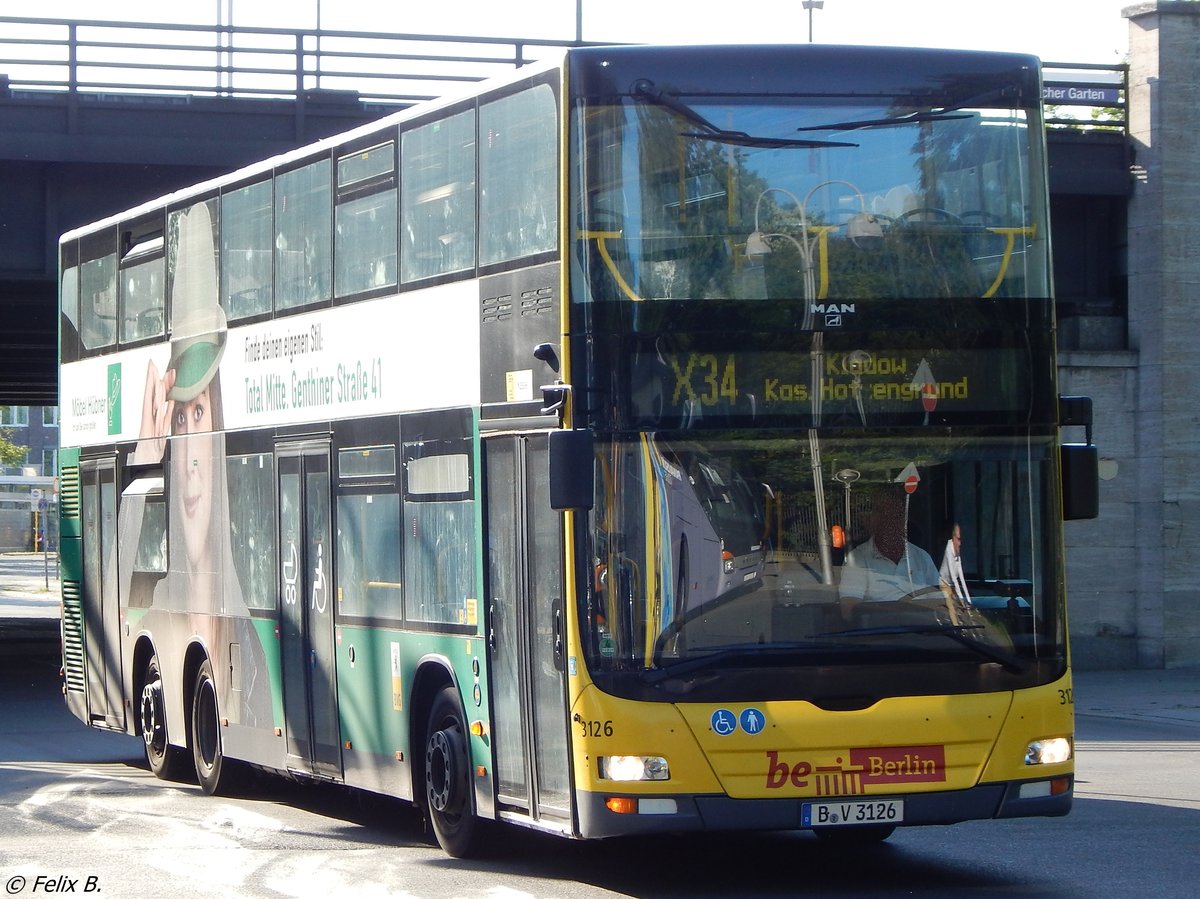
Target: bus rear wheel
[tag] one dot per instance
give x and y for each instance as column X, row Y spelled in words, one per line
column 165, row 760
column 212, row 770
column 448, row 777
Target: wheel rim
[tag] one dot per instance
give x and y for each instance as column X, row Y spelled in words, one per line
column 153, row 732
column 443, row 772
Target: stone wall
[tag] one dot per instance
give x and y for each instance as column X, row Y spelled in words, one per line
column 1134, row 574
column 1102, row 577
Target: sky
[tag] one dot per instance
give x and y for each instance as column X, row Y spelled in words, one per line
column 1075, row 31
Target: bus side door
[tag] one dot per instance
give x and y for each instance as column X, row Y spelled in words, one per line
column 306, row 609
column 525, row 621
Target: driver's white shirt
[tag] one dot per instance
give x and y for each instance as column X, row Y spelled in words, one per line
column 873, row 577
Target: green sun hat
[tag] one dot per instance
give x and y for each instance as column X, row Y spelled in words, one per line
column 195, row 362
column 198, row 325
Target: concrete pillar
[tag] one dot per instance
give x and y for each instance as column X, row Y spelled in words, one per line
column 1164, row 327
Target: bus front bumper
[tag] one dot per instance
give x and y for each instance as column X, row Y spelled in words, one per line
column 684, row 813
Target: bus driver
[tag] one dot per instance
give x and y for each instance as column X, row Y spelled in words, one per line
column 886, row 567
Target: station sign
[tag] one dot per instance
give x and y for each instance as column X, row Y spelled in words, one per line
column 1081, row 94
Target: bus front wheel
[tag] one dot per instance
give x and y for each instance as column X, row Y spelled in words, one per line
column 448, row 777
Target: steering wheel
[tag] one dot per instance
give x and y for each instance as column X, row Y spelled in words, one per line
column 909, row 609
column 922, row 591
column 928, row 214
column 980, row 218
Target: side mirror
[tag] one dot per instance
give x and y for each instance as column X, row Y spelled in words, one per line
column 572, row 470
column 1080, row 461
column 1080, row 481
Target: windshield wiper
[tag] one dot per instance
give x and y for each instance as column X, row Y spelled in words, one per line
column 909, row 119
column 955, row 632
column 934, row 114
column 742, row 139
column 644, row 89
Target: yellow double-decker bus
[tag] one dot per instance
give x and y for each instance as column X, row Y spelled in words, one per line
column 656, row 440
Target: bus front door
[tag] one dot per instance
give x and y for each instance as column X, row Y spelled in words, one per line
column 306, row 609
column 526, row 631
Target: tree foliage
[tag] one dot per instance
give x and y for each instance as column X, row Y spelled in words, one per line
column 10, row 453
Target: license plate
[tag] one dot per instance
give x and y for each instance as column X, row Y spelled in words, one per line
column 848, row 812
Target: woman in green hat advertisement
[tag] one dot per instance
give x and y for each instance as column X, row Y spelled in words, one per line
column 182, row 408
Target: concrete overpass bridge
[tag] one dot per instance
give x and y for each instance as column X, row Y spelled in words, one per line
column 98, row 116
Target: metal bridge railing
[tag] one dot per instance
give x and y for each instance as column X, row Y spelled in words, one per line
column 106, row 57
column 133, row 58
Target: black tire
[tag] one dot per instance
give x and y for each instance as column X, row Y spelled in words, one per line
column 212, row 771
column 855, row 835
column 448, row 777
column 165, row 760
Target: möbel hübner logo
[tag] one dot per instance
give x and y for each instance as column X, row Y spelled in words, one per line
column 114, row 398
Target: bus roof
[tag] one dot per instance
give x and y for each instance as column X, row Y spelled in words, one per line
column 859, row 72
column 281, row 160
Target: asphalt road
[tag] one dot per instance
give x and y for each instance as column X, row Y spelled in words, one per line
column 79, row 809
column 29, row 593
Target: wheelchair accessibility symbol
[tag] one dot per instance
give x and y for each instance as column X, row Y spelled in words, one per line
column 723, row 722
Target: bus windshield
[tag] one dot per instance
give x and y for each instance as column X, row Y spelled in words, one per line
column 760, row 198
column 715, row 556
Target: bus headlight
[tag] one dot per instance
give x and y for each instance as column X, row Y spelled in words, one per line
column 634, row 767
column 1050, row 751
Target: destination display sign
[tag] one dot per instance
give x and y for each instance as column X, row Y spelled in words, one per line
column 858, row 387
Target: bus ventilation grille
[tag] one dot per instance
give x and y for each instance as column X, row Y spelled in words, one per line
column 497, row 309
column 72, row 625
column 68, row 492
column 537, row 302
